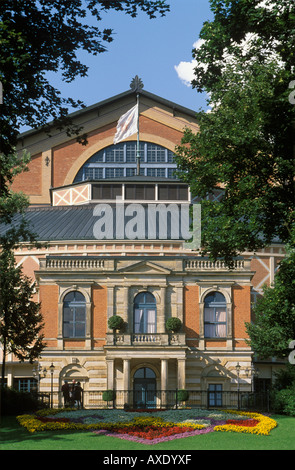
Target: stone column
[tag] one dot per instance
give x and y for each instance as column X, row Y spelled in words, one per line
column 164, row 381
column 161, row 311
column 126, row 381
column 110, row 373
column 88, row 325
column 126, row 374
column 110, row 303
column 126, row 307
column 181, row 373
column 164, row 374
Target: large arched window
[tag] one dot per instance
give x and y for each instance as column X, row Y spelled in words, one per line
column 145, row 313
column 74, row 315
column 119, row 161
column 215, row 315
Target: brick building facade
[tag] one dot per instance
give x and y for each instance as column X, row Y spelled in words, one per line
column 84, row 280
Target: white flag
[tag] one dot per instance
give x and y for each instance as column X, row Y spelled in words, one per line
column 127, row 124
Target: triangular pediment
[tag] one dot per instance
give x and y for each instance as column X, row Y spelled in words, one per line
column 143, row 267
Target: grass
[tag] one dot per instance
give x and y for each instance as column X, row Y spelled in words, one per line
column 15, row 437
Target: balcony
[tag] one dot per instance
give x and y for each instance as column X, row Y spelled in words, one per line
column 146, row 339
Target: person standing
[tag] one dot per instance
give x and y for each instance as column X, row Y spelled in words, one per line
column 78, row 391
column 66, row 393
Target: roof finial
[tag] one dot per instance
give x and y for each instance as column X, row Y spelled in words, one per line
column 136, row 84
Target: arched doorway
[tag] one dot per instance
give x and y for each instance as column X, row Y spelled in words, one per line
column 144, row 388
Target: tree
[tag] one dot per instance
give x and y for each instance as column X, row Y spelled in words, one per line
column 274, row 313
column 20, row 318
column 244, row 149
column 43, row 36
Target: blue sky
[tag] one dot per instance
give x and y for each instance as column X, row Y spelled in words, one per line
column 151, row 49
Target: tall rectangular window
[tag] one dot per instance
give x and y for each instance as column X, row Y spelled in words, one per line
column 215, row 395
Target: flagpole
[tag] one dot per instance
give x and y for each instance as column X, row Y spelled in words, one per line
column 137, row 150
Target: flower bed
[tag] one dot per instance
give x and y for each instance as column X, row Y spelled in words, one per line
column 146, row 426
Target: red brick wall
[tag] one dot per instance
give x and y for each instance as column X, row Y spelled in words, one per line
column 241, row 313
column 191, row 314
column 99, row 317
column 66, row 154
column 49, row 308
column 30, row 182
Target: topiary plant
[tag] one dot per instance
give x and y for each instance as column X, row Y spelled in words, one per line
column 173, row 324
column 182, row 395
column 108, row 395
column 115, row 322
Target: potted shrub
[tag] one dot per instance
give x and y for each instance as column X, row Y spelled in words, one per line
column 173, row 324
column 109, row 395
column 182, row 395
column 115, row 322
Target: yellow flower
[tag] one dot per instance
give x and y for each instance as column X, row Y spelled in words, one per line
column 264, row 426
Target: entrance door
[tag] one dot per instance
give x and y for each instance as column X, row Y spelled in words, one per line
column 214, row 395
column 144, row 388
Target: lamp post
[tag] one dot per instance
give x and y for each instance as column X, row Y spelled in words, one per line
column 238, row 367
column 51, row 368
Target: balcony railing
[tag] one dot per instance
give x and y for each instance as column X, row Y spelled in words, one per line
column 106, row 263
column 145, row 339
column 70, row 263
column 219, row 265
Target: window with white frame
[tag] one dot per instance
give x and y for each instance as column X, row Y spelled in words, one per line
column 118, row 161
column 215, row 315
column 145, row 313
column 74, row 315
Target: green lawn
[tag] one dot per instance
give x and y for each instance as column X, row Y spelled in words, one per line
column 15, row 437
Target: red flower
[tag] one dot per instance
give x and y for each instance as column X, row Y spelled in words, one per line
column 152, row 432
column 243, row 422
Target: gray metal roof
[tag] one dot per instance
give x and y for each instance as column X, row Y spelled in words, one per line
column 58, row 223
column 74, row 223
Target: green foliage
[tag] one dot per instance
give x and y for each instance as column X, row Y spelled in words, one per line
column 244, row 149
column 40, row 37
column 182, row 395
column 14, row 402
column 173, row 324
column 21, row 321
column 283, row 401
column 283, row 392
column 274, row 313
column 285, row 378
column 115, row 322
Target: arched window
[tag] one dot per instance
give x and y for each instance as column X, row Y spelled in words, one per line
column 74, row 315
column 144, row 373
column 119, row 161
column 145, row 313
column 215, row 315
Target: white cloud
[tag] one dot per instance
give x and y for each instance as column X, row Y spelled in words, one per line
column 185, row 70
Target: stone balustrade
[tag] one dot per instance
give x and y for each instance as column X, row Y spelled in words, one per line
column 145, row 339
column 106, row 263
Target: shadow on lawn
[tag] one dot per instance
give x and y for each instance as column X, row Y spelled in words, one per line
column 12, row 432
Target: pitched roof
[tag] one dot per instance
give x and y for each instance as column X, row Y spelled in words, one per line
column 170, row 104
